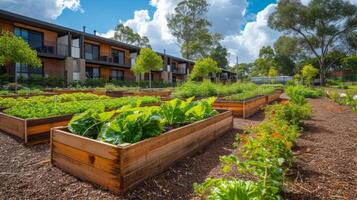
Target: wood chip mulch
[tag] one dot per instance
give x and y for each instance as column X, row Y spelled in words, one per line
column 325, row 167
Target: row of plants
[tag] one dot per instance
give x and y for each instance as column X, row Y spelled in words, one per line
column 264, row 158
column 62, row 98
column 231, row 91
column 347, row 98
column 306, row 92
column 35, row 110
column 132, row 123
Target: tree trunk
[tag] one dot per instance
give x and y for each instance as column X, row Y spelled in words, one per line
column 150, row 79
column 322, row 74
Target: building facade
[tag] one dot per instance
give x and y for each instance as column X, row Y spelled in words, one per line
column 77, row 55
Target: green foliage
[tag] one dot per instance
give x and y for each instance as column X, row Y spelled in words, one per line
column 344, row 99
column 127, row 35
column 219, row 54
column 308, row 73
column 42, row 107
column 14, row 49
column 131, row 124
column 147, row 61
column 319, row 25
column 350, row 63
column 266, row 156
column 189, row 25
column 306, row 92
column 248, row 94
column 272, row 72
column 204, row 67
column 209, row 89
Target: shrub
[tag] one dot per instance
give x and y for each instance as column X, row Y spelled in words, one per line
column 301, row 90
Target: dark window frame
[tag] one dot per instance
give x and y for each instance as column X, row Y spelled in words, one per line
column 117, row 52
column 117, row 77
column 89, row 72
column 28, row 36
column 92, row 51
column 29, row 71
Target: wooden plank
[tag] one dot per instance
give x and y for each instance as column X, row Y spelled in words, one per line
column 84, row 157
column 95, row 147
column 86, row 172
column 33, row 130
column 161, row 158
column 132, row 154
column 13, row 125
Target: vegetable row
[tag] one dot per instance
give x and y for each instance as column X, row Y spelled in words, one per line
column 48, row 107
column 265, row 155
column 131, row 124
column 236, row 91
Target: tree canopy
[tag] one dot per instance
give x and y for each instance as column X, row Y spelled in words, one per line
column 127, row 35
column 191, row 28
column 321, row 25
column 204, row 67
column 15, row 50
column 146, row 62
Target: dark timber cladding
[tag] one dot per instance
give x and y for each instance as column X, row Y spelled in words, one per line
column 119, row 168
column 77, row 55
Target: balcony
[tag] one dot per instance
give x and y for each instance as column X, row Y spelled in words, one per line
column 51, row 49
column 107, row 60
column 179, row 71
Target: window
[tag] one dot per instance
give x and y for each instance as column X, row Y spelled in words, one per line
column 117, row 75
column 118, row 56
column 92, row 72
column 24, row 71
column 91, row 51
column 33, row 38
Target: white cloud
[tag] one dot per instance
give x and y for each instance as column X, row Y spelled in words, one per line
column 40, row 9
column 252, row 38
column 227, row 17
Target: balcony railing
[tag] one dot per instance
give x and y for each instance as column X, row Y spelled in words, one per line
column 52, row 48
column 109, row 59
column 179, row 70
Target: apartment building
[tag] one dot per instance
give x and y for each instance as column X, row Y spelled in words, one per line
column 77, row 55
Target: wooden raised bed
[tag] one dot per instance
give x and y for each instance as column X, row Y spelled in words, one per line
column 71, row 91
column 273, row 97
column 36, row 130
column 119, row 168
column 163, row 94
column 31, row 130
column 243, row 109
column 27, row 95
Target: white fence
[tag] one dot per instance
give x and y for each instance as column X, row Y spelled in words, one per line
column 265, row 79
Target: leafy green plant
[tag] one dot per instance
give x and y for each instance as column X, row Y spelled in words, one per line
column 132, row 125
column 303, row 91
column 31, row 109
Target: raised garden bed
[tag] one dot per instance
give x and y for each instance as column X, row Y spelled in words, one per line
column 273, row 97
column 157, row 93
column 31, row 130
column 71, row 91
column 244, row 108
column 119, row 168
column 27, row 95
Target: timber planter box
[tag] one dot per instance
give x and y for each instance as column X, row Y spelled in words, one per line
column 156, row 93
column 273, row 97
column 37, row 130
column 244, row 108
column 119, row 168
column 31, row 130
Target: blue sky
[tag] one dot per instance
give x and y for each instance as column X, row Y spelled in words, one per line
column 104, row 15
column 242, row 23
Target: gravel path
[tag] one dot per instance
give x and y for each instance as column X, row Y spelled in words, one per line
column 325, row 165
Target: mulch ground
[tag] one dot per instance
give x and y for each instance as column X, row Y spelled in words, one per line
column 325, row 166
